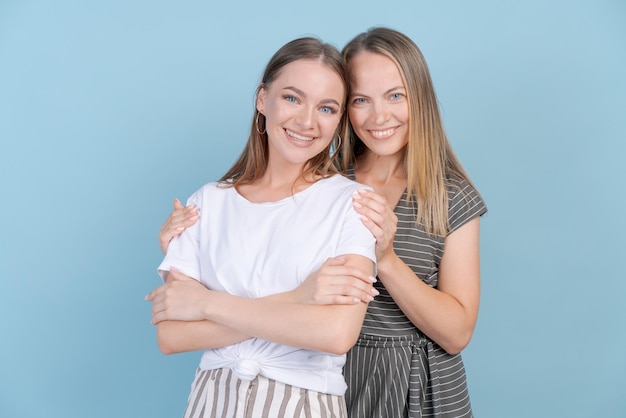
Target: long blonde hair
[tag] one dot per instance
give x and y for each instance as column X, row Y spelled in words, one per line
column 252, row 162
column 429, row 158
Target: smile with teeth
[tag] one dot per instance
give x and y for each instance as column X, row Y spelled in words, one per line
column 382, row 134
column 298, row 136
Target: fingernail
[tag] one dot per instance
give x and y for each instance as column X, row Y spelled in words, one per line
column 356, row 195
column 372, row 279
column 370, row 298
column 356, row 300
column 375, row 292
column 357, row 205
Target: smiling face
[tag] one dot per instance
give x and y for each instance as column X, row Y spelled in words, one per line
column 378, row 106
column 302, row 109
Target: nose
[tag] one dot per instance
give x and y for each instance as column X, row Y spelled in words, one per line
column 306, row 117
column 381, row 112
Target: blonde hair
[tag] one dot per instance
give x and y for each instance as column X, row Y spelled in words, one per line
column 252, row 162
column 429, row 158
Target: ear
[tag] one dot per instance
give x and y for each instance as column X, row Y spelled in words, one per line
column 260, row 99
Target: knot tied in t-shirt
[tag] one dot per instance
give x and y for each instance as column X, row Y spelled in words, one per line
column 246, row 369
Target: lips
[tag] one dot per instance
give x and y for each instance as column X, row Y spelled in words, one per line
column 299, row 137
column 381, row 134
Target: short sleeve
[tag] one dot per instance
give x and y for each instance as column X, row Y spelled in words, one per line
column 355, row 238
column 183, row 251
column 465, row 203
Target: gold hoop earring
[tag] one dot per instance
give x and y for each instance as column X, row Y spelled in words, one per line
column 256, row 125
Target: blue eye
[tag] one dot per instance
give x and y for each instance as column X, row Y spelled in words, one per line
column 328, row 109
column 291, row 99
column 358, row 100
column 396, row 96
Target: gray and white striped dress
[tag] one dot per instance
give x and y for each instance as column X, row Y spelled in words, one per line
column 394, row 370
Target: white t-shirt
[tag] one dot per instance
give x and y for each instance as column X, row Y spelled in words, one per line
column 259, row 249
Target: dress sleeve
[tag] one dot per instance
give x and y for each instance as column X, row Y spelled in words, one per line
column 465, row 203
column 184, row 249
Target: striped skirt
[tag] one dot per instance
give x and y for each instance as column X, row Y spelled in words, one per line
column 218, row 393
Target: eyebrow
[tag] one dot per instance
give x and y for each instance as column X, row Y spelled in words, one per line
column 384, row 94
column 303, row 94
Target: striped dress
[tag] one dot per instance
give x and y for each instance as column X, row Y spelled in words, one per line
column 394, row 370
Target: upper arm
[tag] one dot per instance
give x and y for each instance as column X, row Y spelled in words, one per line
column 350, row 317
column 184, row 249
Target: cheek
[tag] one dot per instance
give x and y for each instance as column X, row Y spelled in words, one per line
column 331, row 124
column 356, row 117
column 274, row 114
column 405, row 114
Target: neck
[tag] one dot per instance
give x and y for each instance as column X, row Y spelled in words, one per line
column 381, row 168
column 278, row 182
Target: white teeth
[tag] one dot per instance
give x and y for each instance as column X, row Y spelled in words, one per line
column 299, row 137
column 380, row 134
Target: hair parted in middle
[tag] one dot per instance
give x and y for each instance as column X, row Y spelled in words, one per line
column 252, row 162
column 429, row 158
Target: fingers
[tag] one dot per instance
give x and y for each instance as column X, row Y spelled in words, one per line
column 370, row 205
column 150, row 296
column 155, row 293
column 333, row 299
column 169, row 299
column 177, row 204
column 181, row 218
column 376, row 215
column 190, row 215
column 345, row 285
column 347, row 291
column 157, row 299
column 371, row 199
column 350, row 272
column 358, row 292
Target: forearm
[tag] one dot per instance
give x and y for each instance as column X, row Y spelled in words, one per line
column 181, row 336
column 223, row 319
column 439, row 315
column 327, row 328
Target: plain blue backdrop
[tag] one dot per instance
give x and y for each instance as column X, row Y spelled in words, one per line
column 110, row 109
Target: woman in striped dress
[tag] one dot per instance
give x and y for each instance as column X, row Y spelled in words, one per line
column 425, row 214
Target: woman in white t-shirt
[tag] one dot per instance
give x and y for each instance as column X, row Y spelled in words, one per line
column 233, row 280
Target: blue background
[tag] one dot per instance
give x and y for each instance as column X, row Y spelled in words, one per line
column 110, row 109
